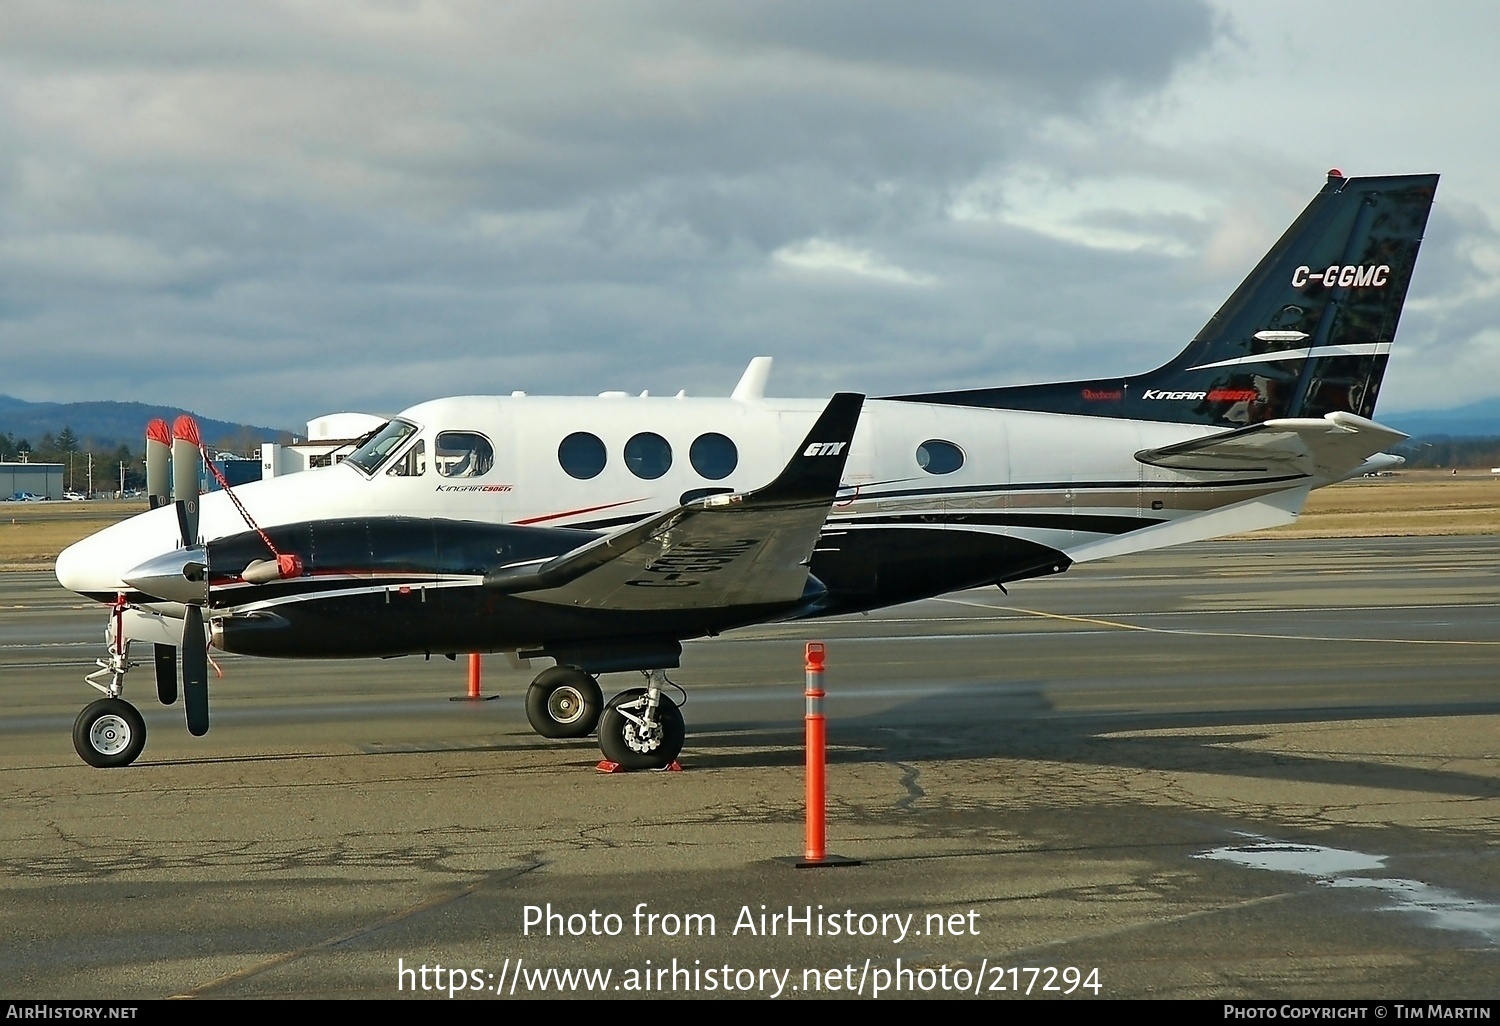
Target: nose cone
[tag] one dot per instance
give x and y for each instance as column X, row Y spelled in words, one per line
column 97, row 565
column 83, row 568
column 180, row 576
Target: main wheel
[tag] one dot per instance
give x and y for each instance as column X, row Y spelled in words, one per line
column 564, row 702
column 109, row 732
column 625, row 740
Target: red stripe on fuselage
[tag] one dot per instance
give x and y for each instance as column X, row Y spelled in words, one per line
column 572, row 513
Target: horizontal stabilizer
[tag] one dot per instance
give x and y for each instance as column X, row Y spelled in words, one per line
column 721, row 550
column 1330, row 448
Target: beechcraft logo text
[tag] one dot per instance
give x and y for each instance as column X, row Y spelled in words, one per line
column 824, row 448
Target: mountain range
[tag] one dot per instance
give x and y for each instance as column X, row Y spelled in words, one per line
column 1475, row 420
column 107, row 425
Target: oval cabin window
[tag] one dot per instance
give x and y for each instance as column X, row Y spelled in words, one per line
column 648, row 455
column 939, row 457
column 713, row 456
column 582, row 455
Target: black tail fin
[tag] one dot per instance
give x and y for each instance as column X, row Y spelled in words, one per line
column 1307, row 333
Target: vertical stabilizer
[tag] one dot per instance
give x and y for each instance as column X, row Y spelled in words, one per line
column 1308, row 332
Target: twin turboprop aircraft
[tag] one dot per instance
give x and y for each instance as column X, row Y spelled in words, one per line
column 603, row 532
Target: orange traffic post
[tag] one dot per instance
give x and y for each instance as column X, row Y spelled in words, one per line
column 815, row 846
column 473, row 695
column 816, row 849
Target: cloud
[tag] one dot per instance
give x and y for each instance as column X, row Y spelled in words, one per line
column 1124, row 212
column 822, row 256
column 291, row 207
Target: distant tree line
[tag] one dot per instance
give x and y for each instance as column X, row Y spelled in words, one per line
column 109, row 457
column 1443, row 452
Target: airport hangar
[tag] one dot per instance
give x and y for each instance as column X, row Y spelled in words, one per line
column 44, row 479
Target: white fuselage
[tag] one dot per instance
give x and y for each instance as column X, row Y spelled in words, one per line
column 1058, row 473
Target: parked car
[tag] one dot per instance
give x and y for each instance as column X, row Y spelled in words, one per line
column 74, row 496
column 27, row 497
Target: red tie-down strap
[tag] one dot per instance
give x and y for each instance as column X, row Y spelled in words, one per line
column 287, row 564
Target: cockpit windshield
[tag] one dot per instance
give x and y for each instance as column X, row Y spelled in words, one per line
column 379, row 448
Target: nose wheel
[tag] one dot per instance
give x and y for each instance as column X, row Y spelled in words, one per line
column 109, row 732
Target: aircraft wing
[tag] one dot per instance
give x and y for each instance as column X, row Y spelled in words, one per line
column 1331, row 447
column 751, row 548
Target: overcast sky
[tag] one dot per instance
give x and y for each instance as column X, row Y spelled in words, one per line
column 265, row 212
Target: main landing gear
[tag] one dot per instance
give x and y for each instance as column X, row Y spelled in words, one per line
column 640, row 728
column 564, row 702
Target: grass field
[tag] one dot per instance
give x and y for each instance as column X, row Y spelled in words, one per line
column 1412, row 503
column 33, row 533
column 1418, row 502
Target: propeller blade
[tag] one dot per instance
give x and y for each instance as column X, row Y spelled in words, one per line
column 166, row 673
column 158, row 462
column 187, row 469
column 195, row 672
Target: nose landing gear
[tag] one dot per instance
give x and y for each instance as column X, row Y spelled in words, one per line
column 109, row 732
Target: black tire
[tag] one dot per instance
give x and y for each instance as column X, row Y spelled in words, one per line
column 564, row 702
column 109, row 733
column 620, row 738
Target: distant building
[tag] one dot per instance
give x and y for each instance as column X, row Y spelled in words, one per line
column 44, row 479
column 237, row 470
column 329, row 439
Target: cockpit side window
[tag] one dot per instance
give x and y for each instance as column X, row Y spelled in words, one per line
column 463, row 454
column 413, row 462
column 382, row 444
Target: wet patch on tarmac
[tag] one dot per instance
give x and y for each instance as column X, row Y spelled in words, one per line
column 1435, row 907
